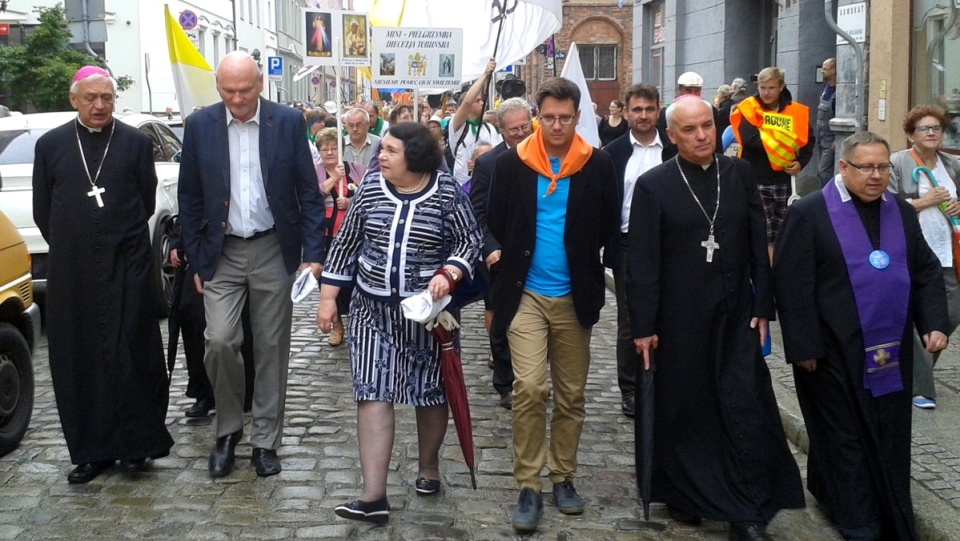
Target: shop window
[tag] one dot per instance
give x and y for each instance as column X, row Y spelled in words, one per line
column 936, row 53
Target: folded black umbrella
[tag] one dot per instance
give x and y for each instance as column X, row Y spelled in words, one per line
column 173, row 320
column 644, row 434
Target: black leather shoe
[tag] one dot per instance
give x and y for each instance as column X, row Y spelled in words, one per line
column 506, row 401
column 86, row 472
column 130, row 467
column 221, row 459
column 683, row 518
column 265, row 461
column 748, row 531
column 201, row 408
column 629, row 406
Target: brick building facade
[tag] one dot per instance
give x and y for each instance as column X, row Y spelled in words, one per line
column 604, row 36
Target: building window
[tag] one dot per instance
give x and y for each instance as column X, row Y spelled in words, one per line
column 259, row 11
column 241, row 11
column 935, row 49
column 202, row 41
column 216, row 48
column 599, row 62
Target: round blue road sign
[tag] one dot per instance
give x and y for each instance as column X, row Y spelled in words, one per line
column 188, row 20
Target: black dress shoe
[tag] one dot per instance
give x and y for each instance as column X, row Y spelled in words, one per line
column 130, row 467
column 748, row 531
column 265, row 461
column 221, row 459
column 201, row 408
column 88, row 471
column 683, row 518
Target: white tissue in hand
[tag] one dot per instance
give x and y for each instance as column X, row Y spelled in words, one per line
column 303, row 285
column 422, row 308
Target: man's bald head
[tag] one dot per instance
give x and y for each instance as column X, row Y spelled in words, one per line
column 240, row 84
column 690, row 126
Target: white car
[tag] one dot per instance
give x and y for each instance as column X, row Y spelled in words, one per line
column 18, row 137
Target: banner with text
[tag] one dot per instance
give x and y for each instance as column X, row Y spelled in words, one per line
column 322, row 28
column 417, row 57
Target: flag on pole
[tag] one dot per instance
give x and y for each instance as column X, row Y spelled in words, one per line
column 193, row 79
column 587, row 126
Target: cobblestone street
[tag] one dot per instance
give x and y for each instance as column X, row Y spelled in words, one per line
column 175, row 498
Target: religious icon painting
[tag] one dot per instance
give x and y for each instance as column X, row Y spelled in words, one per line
column 447, row 61
column 317, row 27
column 388, row 63
column 354, row 36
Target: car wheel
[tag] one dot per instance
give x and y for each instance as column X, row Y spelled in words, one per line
column 165, row 272
column 16, row 387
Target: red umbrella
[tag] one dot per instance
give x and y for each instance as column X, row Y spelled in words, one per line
column 444, row 328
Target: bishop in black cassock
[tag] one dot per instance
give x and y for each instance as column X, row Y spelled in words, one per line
column 700, row 294
column 852, row 275
column 106, row 354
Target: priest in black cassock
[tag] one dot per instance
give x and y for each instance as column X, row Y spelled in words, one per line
column 699, row 293
column 852, row 275
column 94, row 187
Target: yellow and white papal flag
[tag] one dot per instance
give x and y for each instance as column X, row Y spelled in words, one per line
column 194, row 80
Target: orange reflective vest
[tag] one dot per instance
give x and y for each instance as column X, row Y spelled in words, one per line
column 783, row 132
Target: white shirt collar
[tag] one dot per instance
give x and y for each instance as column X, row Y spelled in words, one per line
column 91, row 130
column 256, row 116
column 844, row 193
column 655, row 143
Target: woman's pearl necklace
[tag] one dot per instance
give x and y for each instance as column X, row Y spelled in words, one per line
column 415, row 188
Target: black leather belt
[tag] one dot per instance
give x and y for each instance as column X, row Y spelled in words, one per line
column 257, row 235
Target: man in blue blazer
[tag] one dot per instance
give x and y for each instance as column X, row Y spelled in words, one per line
column 633, row 153
column 250, row 211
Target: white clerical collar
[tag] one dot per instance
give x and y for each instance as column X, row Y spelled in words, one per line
column 655, row 143
column 92, row 130
column 256, row 116
column 844, row 193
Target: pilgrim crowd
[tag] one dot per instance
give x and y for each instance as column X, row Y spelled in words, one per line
column 498, row 199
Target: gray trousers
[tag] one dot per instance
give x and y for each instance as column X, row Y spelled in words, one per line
column 924, row 362
column 251, row 268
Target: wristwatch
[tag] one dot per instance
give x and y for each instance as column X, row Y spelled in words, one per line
column 454, row 275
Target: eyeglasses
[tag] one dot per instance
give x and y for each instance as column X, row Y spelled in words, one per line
column 926, row 129
column 329, row 150
column 549, row 120
column 883, row 169
column 519, row 129
column 90, row 99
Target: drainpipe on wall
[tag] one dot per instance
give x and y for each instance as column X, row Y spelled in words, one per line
column 843, row 125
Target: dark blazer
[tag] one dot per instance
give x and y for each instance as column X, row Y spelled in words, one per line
column 289, row 179
column 620, row 150
column 593, row 215
column 480, row 194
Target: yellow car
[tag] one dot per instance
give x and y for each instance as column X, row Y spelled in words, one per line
column 19, row 333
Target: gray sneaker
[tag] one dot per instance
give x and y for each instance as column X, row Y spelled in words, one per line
column 526, row 516
column 569, row 502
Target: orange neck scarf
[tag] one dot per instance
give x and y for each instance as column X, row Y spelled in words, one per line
column 534, row 155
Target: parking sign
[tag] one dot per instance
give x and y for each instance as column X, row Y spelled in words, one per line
column 275, row 68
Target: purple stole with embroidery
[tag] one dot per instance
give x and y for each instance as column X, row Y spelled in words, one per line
column 882, row 294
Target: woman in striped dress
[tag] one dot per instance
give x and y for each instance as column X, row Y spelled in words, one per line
column 409, row 228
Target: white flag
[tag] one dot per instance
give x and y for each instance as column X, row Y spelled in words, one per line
column 587, row 127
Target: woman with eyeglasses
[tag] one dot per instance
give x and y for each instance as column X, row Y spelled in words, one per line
column 337, row 189
column 924, row 127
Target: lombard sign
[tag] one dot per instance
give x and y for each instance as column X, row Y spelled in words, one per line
column 852, row 19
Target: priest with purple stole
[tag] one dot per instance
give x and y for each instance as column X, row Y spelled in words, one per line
column 94, row 188
column 852, row 276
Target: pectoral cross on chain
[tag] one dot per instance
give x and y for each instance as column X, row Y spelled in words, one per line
column 710, row 245
column 95, row 192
